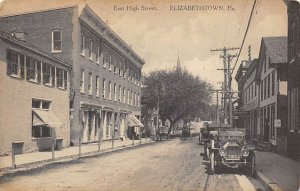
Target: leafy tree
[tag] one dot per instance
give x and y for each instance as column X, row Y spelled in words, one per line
column 180, row 95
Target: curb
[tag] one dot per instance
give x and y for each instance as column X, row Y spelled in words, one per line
column 270, row 185
column 23, row 168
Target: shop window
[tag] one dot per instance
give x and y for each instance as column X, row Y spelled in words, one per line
column 56, row 41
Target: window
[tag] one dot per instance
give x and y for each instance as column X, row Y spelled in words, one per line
column 109, row 90
column 109, row 63
column 120, row 69
column 131, row 100
column 115, row 92
column 41, row 104
column 13, row 63
column 120, row 94
column 59, row 78
column 265, row 63
column 262, row 90
column 265, row 88
column 91, row 50
column 47, row 74
column 273, row 83
column 128, row 97
column 252, row 92
column 269, row 85
column 124, row 95
column 90, row 87
column 104, row 88
column 56, row 41
column 98, row 55
column 138, row 100
column 104, row 58
column 82, row 45
column 134, row 99
column 33, row 69
column 97, row 86
column 82, row 82
column 255, row 89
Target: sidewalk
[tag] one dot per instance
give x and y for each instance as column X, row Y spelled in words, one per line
column 279, row 170
column 31, row 159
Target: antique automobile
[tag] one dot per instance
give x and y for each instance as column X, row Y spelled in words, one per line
column 229, row 148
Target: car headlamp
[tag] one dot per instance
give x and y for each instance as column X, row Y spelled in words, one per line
column 245, row 152
column 222, row 153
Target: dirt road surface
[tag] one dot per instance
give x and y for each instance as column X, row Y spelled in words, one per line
column 167, row 165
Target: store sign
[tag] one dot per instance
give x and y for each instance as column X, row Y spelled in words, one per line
column 277, row 123
column 240, row 113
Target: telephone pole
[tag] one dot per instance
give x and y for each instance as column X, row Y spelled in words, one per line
column 227, row 58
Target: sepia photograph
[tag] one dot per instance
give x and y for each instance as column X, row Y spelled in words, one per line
column 166, row 95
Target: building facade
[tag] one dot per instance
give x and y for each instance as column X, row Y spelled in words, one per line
column 35, row 97
column 293, row 132
column 105, row 79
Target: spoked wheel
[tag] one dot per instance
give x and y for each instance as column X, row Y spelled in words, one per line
column 252, row 165
column 212, row 162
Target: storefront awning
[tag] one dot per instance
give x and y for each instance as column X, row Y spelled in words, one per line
column 45, row 117
column 133, row 121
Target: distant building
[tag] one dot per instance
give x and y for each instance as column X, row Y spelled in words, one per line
column 292, row 134
column 105, row 79
column 34, row 98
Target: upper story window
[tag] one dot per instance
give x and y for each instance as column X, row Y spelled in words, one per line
column 104, row 88
column 90, row 87
column 13, row 63
column 47, row 74
column 265, row 63
column 273, row 83
column 98, row 55
column 115, row 92
column 56, row 41
column 82, row 49
column 120, row 94
column 109, row 62
column 33, row 69
column 60, row 78
column 128, row 97
column 109, row 90
column 91, row 50
column 82, row 82
column 138, row 100
column 124, row 95
column 97, row 86
column 104, row 58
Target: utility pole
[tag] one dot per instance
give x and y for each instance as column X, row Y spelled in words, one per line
column 227, row 82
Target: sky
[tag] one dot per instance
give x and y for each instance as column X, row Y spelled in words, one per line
column 166, row 32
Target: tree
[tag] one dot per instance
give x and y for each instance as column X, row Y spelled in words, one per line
column 180, row 95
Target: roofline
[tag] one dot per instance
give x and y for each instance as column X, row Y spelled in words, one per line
column 38, row 51
column 117, row 36
column 39, row 11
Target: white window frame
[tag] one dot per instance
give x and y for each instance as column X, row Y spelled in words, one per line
column 52, row 41
column 109, row 63
column 104, row 88
column 124, row 95
column 115, row 92
column 109, row 90
column 98, row 55
column 120, row 94
column 82, row 45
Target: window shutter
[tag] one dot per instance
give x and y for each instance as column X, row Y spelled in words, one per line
column 38, row 71
column 8, row 60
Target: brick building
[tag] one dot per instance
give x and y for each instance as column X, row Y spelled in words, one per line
column 293, row 132
column 34, row 101
column 105, row 79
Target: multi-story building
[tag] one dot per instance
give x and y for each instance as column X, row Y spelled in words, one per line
column 271, row 75
column 34, row 98
column 105, row 79
column 250, row 100
column 263, row 94
column 293, row 132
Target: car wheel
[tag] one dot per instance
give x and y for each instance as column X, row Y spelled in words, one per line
column 212, row 162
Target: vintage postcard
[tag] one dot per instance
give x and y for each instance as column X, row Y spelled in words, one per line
column 149, row 95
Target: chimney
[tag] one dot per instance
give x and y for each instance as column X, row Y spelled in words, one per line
column 20, row 35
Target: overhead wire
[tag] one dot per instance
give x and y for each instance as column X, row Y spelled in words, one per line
column 246, row 32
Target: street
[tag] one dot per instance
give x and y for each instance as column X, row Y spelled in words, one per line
column 168, row 165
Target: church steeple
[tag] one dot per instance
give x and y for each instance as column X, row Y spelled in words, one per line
column 178, row 67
